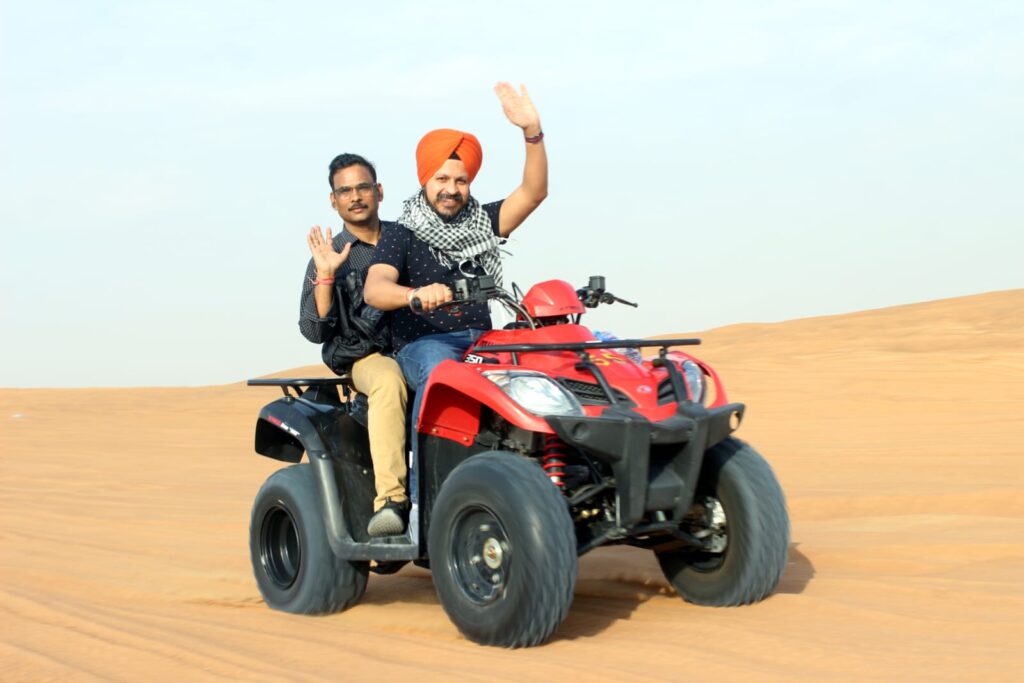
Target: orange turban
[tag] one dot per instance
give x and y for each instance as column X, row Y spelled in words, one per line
column 437, row 146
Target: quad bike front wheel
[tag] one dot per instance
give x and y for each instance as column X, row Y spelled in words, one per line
column 740, row 512
column 295, row 569
column 503, row 551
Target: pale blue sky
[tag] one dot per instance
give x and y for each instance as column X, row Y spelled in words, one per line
column 719, row 162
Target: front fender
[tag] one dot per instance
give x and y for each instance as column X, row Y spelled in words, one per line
column 454, row 394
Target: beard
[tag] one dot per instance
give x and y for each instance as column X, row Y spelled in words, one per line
column 447, row 215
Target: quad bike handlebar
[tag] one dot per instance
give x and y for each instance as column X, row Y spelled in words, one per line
column 465, row 290
column 594, row 293
column 482, row 288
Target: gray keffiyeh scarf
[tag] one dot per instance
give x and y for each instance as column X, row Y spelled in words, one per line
column 469, row 236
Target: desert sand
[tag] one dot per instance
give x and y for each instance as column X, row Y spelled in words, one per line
column 896, row 434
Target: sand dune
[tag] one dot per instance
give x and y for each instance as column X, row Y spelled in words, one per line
column 896, row 434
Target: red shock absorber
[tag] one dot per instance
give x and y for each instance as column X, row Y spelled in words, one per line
column 554, row 466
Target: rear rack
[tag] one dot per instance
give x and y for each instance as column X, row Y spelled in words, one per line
column 296, row 383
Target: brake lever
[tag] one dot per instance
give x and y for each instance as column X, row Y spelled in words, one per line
column 609, row 298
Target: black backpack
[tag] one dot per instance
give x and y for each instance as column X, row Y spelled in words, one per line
column 359, row 332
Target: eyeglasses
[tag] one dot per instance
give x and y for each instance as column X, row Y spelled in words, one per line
column 346, row 191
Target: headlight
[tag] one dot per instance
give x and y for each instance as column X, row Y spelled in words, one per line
column 694, row 377
column 535, row 392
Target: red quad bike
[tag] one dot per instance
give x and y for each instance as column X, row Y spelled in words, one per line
column 543, row 444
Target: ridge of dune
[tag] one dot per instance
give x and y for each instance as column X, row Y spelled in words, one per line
column 895, row 434
column 977, row 321
column 970, row 324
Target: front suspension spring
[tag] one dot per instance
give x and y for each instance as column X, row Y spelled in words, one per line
column 554, row 465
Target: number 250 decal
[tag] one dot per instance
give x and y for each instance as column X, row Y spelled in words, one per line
column 606, row 358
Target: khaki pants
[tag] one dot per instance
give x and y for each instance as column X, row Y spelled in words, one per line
column 380, row 378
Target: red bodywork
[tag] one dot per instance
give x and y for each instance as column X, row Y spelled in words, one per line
column 456, row 391
column 551, row 299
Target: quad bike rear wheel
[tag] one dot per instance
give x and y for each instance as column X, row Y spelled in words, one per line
column 503, row 551
column 295, row 569
column 740, row 510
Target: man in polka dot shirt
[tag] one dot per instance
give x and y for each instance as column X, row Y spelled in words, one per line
column 443, row 229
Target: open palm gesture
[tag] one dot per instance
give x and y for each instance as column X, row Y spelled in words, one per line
column 517, row 105
column 326, row 259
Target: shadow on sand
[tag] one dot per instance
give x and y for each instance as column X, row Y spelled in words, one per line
column 592, row 614
column 599, row 604
column 799, row 572
column 599, row 601
column 411, row 585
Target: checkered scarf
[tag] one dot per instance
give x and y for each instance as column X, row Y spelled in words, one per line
column 468, row 236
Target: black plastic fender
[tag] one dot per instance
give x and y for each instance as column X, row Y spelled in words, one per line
column 288, row 426
column 336, row 442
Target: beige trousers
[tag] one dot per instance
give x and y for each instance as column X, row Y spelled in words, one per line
column 380, row 378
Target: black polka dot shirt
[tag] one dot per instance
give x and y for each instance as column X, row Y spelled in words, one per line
column 417, row 267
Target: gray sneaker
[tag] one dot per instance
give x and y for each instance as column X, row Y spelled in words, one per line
column 389, row 520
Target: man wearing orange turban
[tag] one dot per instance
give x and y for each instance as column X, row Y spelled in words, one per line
column 439, row 145
column 444, row 230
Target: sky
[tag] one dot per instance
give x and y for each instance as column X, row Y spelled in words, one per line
column 717, row 162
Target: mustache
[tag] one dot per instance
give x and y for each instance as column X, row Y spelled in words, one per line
column 442, row 196
column 357, row 205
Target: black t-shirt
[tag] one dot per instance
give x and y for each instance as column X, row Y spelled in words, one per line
column 417, row 267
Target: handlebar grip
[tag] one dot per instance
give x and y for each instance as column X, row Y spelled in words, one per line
column 417, row 305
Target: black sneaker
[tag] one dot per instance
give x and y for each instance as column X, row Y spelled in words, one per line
column 389, row 520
